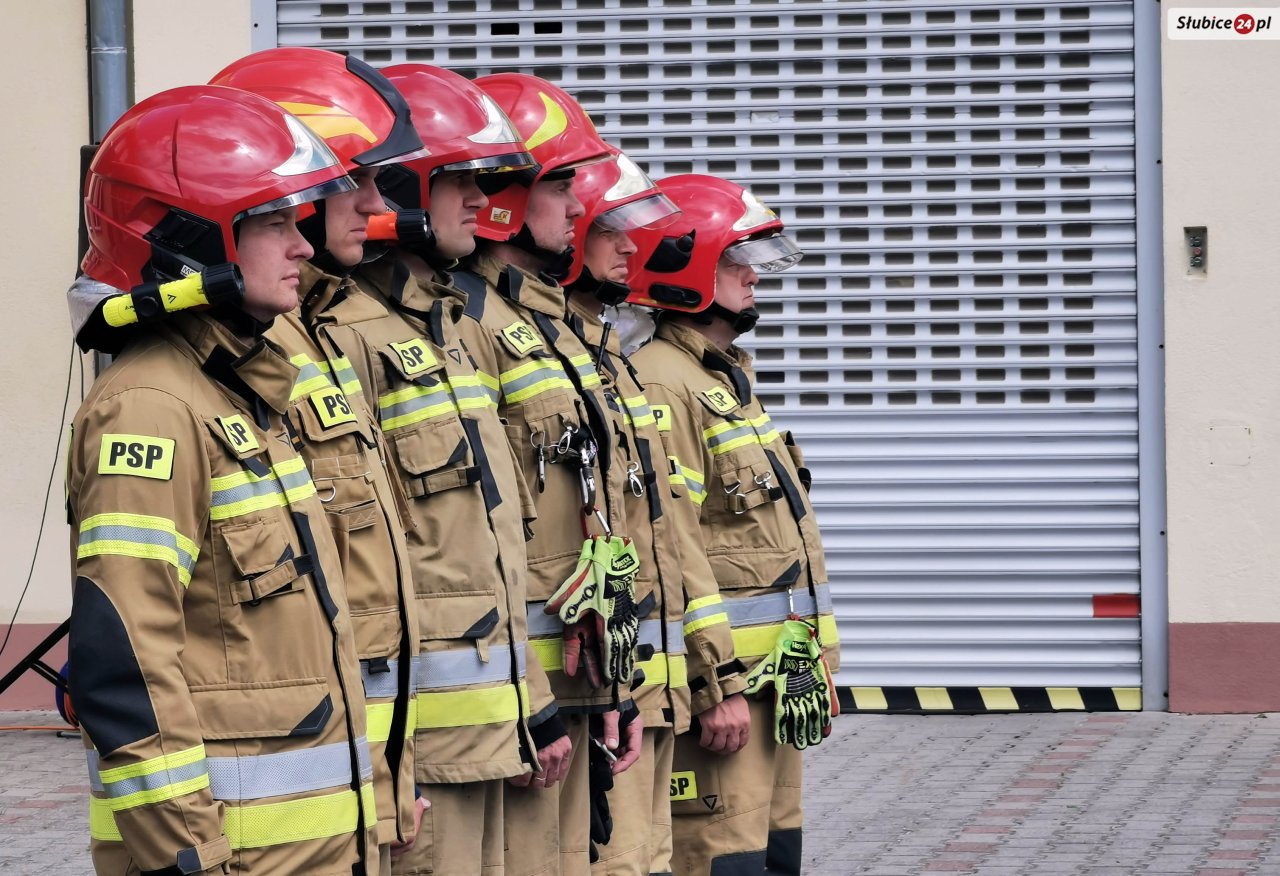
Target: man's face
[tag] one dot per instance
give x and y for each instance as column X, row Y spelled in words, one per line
column 270, row 250
column 735, row 285
column 605, row 254
column 550, row 214
column 346, row 217
column 455, row 201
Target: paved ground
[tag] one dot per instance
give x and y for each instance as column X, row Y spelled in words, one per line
column 1005, row 795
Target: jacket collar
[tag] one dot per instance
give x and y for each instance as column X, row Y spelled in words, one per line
column 261, row 367
column 523, row 288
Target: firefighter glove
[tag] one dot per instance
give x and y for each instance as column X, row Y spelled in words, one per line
column 598, row 606
column 802, row 688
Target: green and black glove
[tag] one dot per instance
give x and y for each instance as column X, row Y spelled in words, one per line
column 598, row 606
column 802, row 690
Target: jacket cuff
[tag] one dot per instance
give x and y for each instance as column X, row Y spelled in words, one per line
column 547, row 731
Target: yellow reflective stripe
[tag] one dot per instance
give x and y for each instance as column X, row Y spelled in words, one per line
column 140, row 536
column 270, row 824
column 586, row 369
column 153, row 765
column 158, row 795
column 471, row 708
column 735, row 443
column 761, row 422
column 378, row 716
column 532, row 379
column 759, row 641
column 388, row 402
column 638, row 411
column 670, row 670
column 696, row 484
column 313, row 375
column 703, row 622
column 550, row 653
column 244, row 492
column 703, row 602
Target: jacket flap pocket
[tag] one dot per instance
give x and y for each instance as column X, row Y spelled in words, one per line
column 471, row 615
column 436, row 456
column 247, row 713
column 265, row 559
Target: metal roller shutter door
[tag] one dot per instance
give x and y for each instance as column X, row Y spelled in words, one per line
column 958, row 351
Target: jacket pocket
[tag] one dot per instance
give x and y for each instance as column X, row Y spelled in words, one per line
column 299, row 709
column 746, row 480
column 435, row 457
column 274, row 628
column 457, row 615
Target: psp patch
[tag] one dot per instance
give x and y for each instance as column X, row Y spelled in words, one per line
column 521, row 338
column 684, row 786
column 237, row 430
column 662, row 414
column 720, row 399
column 332, row 407
column 415, row 356
column 139, row 455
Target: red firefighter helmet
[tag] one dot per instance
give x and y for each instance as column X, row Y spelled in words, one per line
column 352, row 106
column 674, row 268
column 178, row 170
column 461, row 127
column 618, row 196
column 556, row 130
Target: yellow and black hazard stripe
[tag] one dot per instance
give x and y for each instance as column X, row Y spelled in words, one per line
column 976, row 700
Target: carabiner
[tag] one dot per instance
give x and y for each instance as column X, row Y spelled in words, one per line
column 637, row 485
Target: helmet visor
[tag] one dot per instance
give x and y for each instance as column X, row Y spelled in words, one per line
column 326, row 189
column 770, row 254
column 654, row 211
column 492, row 164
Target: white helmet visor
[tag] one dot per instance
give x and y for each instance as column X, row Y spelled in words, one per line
column 768, row 254
column 651, row 212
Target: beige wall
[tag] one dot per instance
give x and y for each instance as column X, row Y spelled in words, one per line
column 176, row 42
column 212, row 34
column 45, row 129
column 1223, row 331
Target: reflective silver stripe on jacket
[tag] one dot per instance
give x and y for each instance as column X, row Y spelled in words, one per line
column 651, row 634
column 150, row 782
column 444, row 669
column 772, row 608
column 541, row 624
column 380, row 685
column 706, row 611
column 253, row 777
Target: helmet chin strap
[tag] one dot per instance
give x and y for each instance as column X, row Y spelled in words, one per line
column 741, row 322
column 607, row 292
column 556, row 264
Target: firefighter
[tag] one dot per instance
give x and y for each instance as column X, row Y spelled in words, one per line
column 212, row 656
column 365, row 121
column 738, row 813
column 447, row 446
column 545, row 385
column 687, row 615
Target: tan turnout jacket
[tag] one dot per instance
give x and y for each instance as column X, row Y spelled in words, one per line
column 685, row 644
column 749, row 481
column 466, row 539
column 213, row 662
column 543, row 381
column 336, row 434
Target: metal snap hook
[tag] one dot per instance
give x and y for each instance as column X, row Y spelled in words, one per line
column 637, row 486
